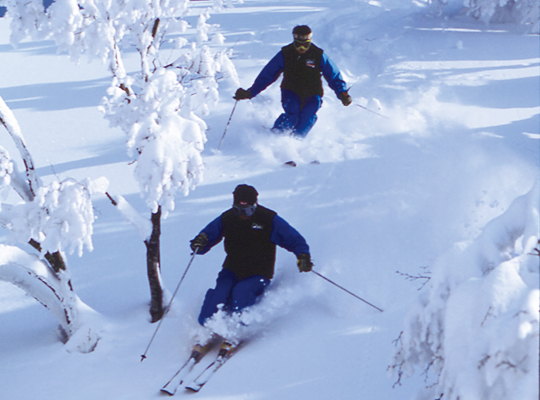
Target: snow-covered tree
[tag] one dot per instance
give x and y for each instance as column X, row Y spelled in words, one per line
column 474, row 329
column 53, row 219
column 160, row 106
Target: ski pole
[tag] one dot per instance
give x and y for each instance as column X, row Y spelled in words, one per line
column 342, row 288
column 228, row 123
column 169, row 306
column 367, row 109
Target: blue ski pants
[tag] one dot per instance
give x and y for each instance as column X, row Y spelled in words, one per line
column 299, row 116
column 235, row 295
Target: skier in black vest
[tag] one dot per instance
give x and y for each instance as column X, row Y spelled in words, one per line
column 302, row 64
column 251, row 234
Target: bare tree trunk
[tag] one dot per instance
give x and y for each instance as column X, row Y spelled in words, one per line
column 153, row 265
column 154, row 268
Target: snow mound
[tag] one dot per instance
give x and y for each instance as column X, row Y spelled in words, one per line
column 474, row 330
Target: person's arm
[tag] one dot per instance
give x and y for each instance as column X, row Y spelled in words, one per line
column 332, row 75
column 213, row 232
column 269, row 74
column 289, row 238
column 284, row 235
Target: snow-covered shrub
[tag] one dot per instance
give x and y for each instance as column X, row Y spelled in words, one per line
column 51, row 219
column 474, row 329
column 524, row 12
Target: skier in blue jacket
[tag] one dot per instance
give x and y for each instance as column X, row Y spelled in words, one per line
column 302, row 64
column 251, row 234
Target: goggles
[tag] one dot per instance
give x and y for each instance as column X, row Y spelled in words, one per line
column 302, row 44
column 244, row 209
column 301, row 37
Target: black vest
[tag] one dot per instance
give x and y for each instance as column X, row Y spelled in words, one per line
column 302, row 74
column 247, row 243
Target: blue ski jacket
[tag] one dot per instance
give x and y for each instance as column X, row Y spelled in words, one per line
column 271, row 72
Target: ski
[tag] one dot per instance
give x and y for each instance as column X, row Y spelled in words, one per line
column 293, row 163
column 174, row 383
column 224, row 354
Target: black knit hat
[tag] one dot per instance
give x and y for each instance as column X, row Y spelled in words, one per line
column 245, row 194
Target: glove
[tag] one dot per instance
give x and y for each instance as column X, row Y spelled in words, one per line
column 304, row 262
column 242, row 94
column 199, row 243
column 345, row 98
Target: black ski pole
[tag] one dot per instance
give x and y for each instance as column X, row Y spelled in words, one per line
column 367, row 109
column 169, row 306
column 348, row 291
column 228, row 123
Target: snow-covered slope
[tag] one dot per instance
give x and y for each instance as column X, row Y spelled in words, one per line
column 458, row 143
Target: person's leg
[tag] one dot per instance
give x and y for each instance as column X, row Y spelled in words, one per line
column 308, row 116
column 221, row 294
column 246, row 292
column 291, row 105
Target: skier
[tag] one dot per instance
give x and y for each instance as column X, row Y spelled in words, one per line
column 251, row 234
column 302, row 64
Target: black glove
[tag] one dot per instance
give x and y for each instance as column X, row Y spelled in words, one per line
column 242, row 94
column 304, row 262
column 345, row 98
column 199, row 243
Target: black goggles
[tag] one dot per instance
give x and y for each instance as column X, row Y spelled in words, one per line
column 248, row 210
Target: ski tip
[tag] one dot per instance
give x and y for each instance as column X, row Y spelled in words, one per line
column 167, row 392
column 193, row 388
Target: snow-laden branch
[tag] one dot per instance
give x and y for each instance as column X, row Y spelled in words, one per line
column 25, row 189
column 165, row 144
column 60, row 217
column 475, row 327
column 29, row 273
column 143, row 225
